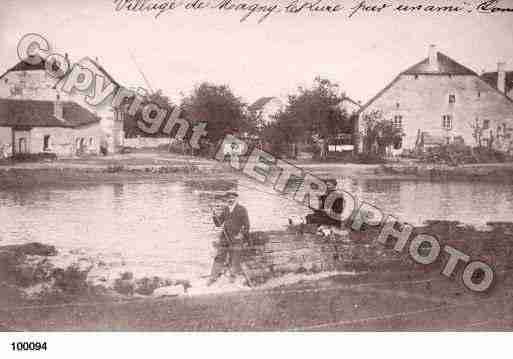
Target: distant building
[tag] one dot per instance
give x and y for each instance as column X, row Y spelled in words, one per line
column 63, row 128
column 440, row 98
column 266, row 107
column 32, row 82
column 349, row 106
column 112, row 118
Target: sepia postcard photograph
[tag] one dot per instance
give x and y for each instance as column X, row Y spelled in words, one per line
column 255, row 166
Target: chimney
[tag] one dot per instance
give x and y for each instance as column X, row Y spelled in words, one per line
column 501, row 76
column 57, row 108
column 433, row 58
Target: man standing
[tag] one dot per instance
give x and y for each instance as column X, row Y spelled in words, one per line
column 235, row 221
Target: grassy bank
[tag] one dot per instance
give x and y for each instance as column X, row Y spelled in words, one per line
column 26, row 177
column 154, row 166
column 501, row 173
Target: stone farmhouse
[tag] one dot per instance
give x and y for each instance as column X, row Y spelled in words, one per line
column 37, row 116
column 440, row 101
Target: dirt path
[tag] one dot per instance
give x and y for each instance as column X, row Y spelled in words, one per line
column 398, row 302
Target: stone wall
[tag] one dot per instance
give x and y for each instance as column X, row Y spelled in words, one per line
column 146, row 142
column 422, row 101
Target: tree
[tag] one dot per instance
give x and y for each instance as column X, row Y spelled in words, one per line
column 130, row 124
column 278, row 134
column 314, row 112
column 378, row 133
column 218, row 107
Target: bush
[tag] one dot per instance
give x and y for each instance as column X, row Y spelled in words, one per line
column 34, row 157
column 454, row 155
column 488, row 155
column 367, row 158
column 114, row 169
column 71, row 280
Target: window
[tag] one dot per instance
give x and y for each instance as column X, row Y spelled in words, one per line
column 22, row 145
column 478, row 94
column 397, row 122
column 46, row 143
column 452, row 99
column 397, row 105
column 447, row 122
column 91, row 141
column 486, row 124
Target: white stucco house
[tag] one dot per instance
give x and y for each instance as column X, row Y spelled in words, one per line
column 38, row 126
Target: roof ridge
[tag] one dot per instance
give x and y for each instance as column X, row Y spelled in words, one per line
column 261, row 102
column 443, row 69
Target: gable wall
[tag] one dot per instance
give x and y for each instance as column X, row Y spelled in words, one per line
column 424, row 100
column 33, row 85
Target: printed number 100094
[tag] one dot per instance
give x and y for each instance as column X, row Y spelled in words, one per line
column 28, row 346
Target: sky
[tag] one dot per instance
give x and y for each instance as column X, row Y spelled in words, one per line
column 181, row 48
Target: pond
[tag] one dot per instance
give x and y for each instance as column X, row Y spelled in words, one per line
column 157, row 228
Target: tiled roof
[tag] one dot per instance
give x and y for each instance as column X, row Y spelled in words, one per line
column 444, row 66
column 32, row 113
column 350, row 100
column 260, row 103
column 26, row 66
column 491, row 79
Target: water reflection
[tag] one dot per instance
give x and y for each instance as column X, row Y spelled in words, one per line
column 418, row 201
column 167, row 228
